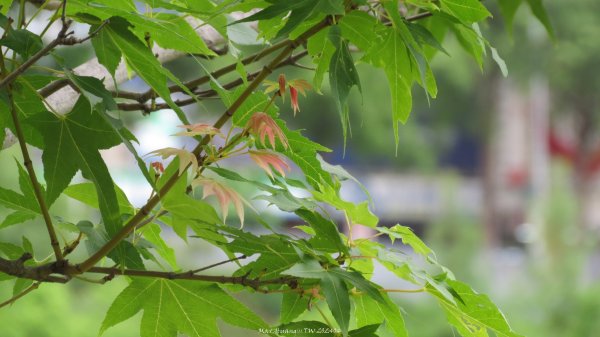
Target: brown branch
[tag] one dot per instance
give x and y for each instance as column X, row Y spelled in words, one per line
column 147, row 108
column 193, row 84
column 45, row 273
column 37, row 189
column 63, row 38
column 242, row 280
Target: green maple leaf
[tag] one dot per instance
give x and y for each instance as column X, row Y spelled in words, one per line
column 25, row 205
column 72, row 143
column 187, row 307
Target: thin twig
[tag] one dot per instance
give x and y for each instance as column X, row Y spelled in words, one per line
column 37, row 189
column 147, row 108
column 13, row 299
column 420, row 290
column 217, row 264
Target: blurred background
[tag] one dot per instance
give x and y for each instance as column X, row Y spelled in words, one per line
column 498, row 175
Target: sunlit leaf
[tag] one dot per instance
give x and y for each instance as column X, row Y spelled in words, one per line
column 172, row 307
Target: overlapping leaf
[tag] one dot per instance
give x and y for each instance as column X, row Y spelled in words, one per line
column 475, row 314
column 72, row 143
column 25, row 205
column 172, row 307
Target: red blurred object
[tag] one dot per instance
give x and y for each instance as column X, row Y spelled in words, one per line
column 517, row 177
column 158, row 166
column 559, row 148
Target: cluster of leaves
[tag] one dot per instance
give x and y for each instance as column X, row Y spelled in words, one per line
column 325, row 270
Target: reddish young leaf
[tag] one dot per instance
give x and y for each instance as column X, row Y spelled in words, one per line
column 282, row 84
column 262, row 126
column 294, row 98
column 266, row 160
column 225, row 195
column 302, row 86
column 185, row 157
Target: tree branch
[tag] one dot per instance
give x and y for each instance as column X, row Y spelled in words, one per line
column 42, row 273
column 48, row 272
column 242, row 280
column 147, row 108
column 37, row 189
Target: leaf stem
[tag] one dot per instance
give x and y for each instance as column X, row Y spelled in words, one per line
column 420, row 290
column 323, row 315
column 217, row 264
column 13, row 299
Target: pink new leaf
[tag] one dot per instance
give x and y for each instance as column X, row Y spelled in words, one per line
column 262, row 126
column 185, row 157
column 225, row 195
column 268, row 160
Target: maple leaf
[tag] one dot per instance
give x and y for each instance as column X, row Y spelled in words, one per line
column 199, row 129
column 262, row 126
column 266, row 160
column 225, row 195
column 185, row 157
column 179, row 306
column 73, row 142
column 25, row 205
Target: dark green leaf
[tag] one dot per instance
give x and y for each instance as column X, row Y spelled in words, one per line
column 25, row 205
column 365, row 331
column 107, row 51
column 22, row 41
column 327, row 236
column 143, row 62
column 168, row 30
column 338, row 300
column 91, row 85
column 73, row 143
column 342, row 75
